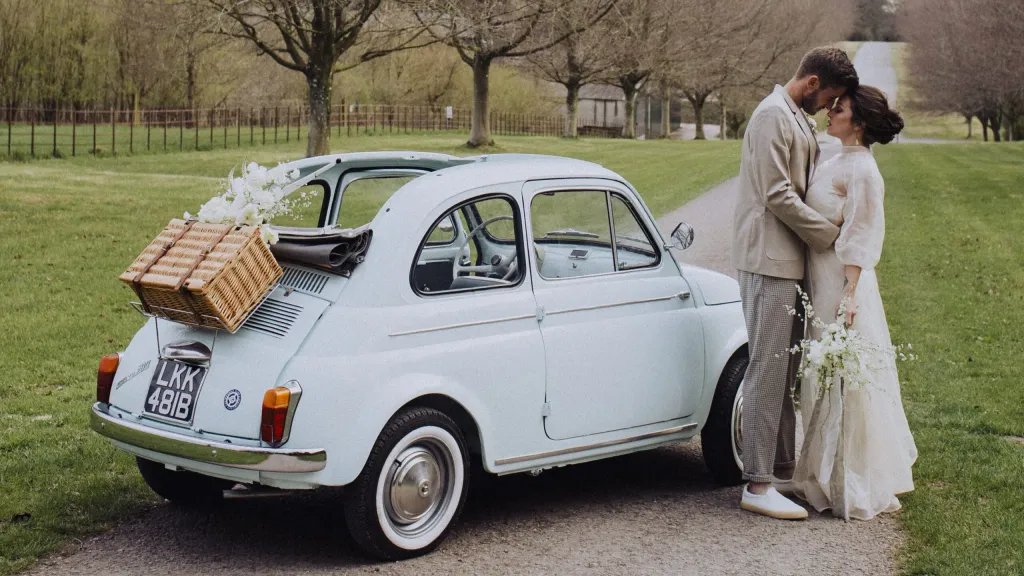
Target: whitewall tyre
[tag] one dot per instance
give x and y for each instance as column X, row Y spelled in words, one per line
column 722, row 437
column 412, row 488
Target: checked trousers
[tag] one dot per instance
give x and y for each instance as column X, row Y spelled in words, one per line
column 769, row 420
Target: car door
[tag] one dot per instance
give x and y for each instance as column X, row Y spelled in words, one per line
column 623, row 343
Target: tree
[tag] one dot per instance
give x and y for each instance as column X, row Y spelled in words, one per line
column 736, row 44
column 579, row 60
column 311, row 37
column 483, row 31
column 643, row 44
column 966, row 57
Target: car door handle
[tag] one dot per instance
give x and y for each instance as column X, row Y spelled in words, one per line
column 683, row 295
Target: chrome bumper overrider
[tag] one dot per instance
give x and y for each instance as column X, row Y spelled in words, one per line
column 248, row 457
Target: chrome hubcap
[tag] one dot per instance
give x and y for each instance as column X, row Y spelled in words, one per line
column 418, row 487
column 737, row 427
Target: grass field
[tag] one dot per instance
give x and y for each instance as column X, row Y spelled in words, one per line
column 70, row 227
column 951, row 278
column 953, row 283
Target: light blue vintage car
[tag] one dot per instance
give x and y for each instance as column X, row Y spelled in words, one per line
column 519, row 311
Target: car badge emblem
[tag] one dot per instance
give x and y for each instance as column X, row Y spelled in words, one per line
column 232, row 399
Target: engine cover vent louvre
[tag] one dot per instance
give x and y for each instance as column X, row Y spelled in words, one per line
column 274, row 318
column 304, row 280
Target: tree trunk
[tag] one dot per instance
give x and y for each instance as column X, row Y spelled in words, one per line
column 320, row 81
column 572, row 105
column 480, row 128
column 970, row 125
column 984, row 127
column 698, row 116
column 721, row 120
column 190, row 82
column 629, row 121
column 996, row 123
column 666, row 113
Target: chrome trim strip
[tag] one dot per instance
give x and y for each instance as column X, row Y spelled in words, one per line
column 613, row 305
column 247, row 457
column 605, row 444
column 464, row 325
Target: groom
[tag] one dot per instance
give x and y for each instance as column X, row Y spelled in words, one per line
column 772, row 229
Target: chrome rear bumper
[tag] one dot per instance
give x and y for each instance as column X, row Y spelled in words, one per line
column 247, row 457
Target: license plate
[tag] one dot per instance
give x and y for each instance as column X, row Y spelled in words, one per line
column 174, row 390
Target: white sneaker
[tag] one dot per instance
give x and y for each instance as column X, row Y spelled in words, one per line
column 772, row 504
column 785, row 487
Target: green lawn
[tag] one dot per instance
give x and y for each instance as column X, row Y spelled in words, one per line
column 953, row 282
column 70, row 227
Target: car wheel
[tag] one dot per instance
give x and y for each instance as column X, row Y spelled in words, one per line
column 412, row 488
column 722, row 437
column 182, row 487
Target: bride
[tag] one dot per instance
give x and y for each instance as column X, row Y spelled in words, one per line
column 857, row 449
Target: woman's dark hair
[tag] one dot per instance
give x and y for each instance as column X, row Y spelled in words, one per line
column 871, row 111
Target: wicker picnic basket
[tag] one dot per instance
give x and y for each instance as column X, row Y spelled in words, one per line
column 204, row 274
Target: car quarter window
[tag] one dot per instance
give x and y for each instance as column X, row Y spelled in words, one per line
column 573, row 231
column 484, row 253
column 361, row 199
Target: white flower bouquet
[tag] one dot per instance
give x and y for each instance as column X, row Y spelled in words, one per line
column 841, row 354
column 253, row 199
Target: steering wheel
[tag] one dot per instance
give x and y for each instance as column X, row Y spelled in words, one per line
column 485, row 268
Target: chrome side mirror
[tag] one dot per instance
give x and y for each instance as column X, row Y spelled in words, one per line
column 682, row 236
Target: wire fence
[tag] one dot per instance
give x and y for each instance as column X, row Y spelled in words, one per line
column 37, row 133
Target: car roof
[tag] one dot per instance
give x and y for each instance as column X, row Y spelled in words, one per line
column 428, row 191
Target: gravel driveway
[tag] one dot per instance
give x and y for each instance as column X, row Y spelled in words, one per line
column 656, row 512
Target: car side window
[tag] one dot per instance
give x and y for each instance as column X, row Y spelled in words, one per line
column 443, row 233
column 484, row 251
column 572, row 233
column 633, row 245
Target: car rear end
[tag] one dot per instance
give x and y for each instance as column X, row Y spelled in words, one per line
column 216, row 403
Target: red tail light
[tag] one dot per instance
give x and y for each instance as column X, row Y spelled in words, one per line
column 105, row 377
column 275, row 415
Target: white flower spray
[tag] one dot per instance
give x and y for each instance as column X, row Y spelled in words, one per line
column 841, row 354
column 253, row 199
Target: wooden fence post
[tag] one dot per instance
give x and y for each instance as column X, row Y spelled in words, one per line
column 94, row 132
column 149, row 129
column 54, row 153
column 165, row 130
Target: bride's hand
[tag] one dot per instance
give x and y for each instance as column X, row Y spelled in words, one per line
column 851, row 308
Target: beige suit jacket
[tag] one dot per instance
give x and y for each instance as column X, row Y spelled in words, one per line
column 772, row 225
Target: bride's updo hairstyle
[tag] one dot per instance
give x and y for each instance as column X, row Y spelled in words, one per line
column 871, row 110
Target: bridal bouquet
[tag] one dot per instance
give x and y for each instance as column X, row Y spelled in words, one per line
column 253, row 199
column 841, row 354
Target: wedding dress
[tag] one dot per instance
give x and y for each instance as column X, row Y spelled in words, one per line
column 857, row 449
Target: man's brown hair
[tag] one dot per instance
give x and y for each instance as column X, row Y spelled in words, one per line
column 832, row 67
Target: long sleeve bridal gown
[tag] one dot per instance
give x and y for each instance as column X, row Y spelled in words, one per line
column 858, row 449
